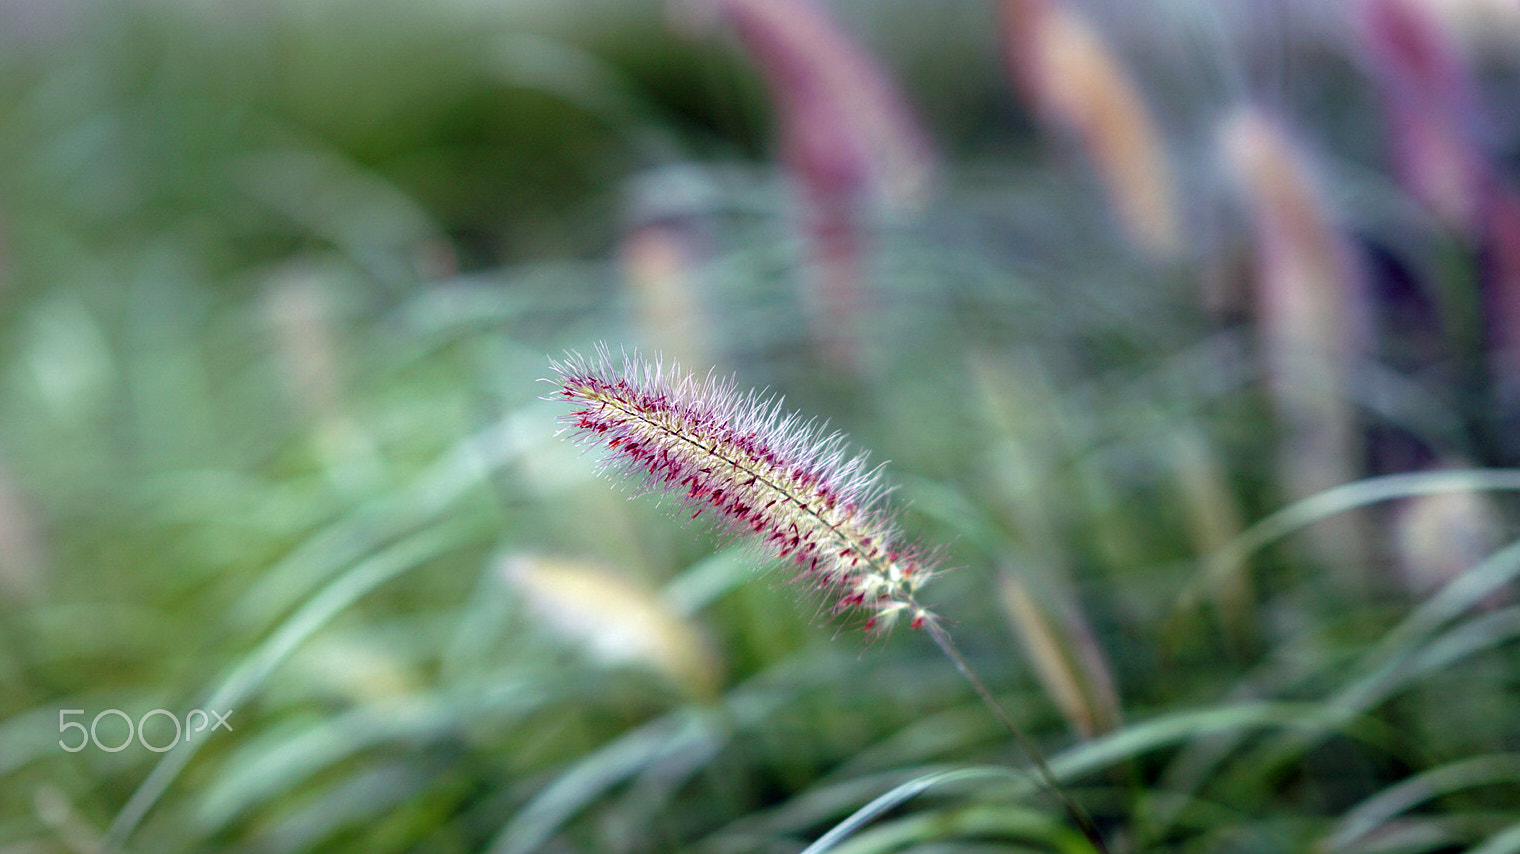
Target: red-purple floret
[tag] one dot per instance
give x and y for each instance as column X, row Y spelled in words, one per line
column 755, row 470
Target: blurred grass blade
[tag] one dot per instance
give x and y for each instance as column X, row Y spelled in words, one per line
column 888, row 800
column 1009, row 826
column 708, row 580
column 1506, row 841
column 255, row 667
column 270, row 765
column 1407, row 654
column 428, row 496
column 1365, row 818
column 1118, row 747
column 1234, row 557
column 594, row 774
column 1138, row 738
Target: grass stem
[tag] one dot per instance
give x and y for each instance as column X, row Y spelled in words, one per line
column 1047, row 778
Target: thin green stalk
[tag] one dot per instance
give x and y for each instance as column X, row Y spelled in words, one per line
column 1074, row 811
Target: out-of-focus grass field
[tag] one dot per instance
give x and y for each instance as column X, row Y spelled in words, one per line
column 1191, row 333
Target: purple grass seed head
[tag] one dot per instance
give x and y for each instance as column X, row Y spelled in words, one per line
column 754, row 469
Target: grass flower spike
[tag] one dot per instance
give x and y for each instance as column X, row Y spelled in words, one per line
column 754, row 469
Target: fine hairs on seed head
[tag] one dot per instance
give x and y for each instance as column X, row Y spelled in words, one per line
column 755, row 469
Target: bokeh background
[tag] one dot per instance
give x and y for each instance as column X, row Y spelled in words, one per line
column 1191, row 332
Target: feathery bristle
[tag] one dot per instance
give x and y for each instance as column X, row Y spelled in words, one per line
column 755, row 469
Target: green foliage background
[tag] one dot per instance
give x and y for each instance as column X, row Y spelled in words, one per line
column 280, row 278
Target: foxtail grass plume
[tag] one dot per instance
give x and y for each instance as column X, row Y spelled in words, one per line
column 754, row 469
column 1441, row 129
column 664, row 254
column 1437, row 536
column 616, row 621
column 848, row 140
column 1311, row 313
column 1079, row 88
column 1426, row 81
column 845, row 128
column 1066, row 657
column 1501, row 217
